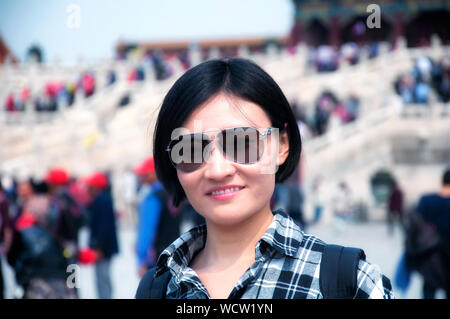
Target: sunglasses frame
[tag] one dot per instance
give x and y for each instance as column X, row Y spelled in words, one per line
column 263, row 135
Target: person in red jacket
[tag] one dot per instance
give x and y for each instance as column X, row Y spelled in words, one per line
column 10, row 104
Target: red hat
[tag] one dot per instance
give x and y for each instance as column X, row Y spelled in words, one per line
column 98, row 180
column 146, row 167
column 87, row 256
column 57, row 176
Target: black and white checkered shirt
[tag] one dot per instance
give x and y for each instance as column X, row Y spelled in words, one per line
column 287, row 265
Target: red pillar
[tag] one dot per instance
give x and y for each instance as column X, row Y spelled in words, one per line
column 296, row 33
column 398, row 28
column 335, row 33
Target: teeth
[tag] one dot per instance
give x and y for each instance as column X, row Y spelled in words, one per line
column 232, row 189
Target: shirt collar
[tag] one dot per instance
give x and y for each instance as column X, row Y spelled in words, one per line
column 283, row 235
column 179, row 254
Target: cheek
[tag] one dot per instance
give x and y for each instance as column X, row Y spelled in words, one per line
column 261, row 185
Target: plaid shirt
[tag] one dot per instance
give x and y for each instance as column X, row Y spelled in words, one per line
column 287, row 266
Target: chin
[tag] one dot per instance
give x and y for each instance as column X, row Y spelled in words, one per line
column 229, row 215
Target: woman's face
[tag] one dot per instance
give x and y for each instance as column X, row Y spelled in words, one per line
column 252, row 185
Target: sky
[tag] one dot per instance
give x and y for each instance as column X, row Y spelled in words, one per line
column 71, row 29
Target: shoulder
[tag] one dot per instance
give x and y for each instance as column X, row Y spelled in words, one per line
column 312, row 244
column 429, row 198
column 310, row 253
column 104, row 197
column 97, row 202
column 429, row 203
column 372, row 283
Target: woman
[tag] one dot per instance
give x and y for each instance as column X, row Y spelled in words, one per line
column 224, row 136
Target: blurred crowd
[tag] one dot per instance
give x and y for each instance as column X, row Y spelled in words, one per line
column 41, row 231
column 427, row 78
column 41, row 222
column 52, row 96
column 328, row 111
column 325, row 58
column 56, row 94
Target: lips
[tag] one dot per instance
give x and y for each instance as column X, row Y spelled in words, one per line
column 224, row 192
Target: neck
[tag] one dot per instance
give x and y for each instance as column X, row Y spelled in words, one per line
column 227, row 245
column 445, row 191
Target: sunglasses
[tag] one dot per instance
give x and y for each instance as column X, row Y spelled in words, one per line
column 242, row 145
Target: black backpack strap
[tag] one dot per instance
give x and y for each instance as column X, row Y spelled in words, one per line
column 338, row 271
column 151, row 287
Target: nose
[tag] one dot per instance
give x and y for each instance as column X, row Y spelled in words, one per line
column 217, row 166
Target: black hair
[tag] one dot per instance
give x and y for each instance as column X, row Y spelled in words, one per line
column 446, row 177
column 39, row 187
column 235, row 77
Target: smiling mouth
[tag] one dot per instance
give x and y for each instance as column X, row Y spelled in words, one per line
column 226, row 193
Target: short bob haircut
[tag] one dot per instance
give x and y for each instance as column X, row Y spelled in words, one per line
column 235, row 77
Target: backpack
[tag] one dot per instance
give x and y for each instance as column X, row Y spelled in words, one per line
column 423, row 250
column 35, row 252
column 421, row 238
column 335, row 282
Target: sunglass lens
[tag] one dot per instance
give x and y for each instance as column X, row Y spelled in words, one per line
column 187, row 152
column 241, row 145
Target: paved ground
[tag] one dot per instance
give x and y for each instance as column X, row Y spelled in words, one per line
column 380, row 249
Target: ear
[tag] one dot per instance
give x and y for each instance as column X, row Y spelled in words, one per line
column 283, row 148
